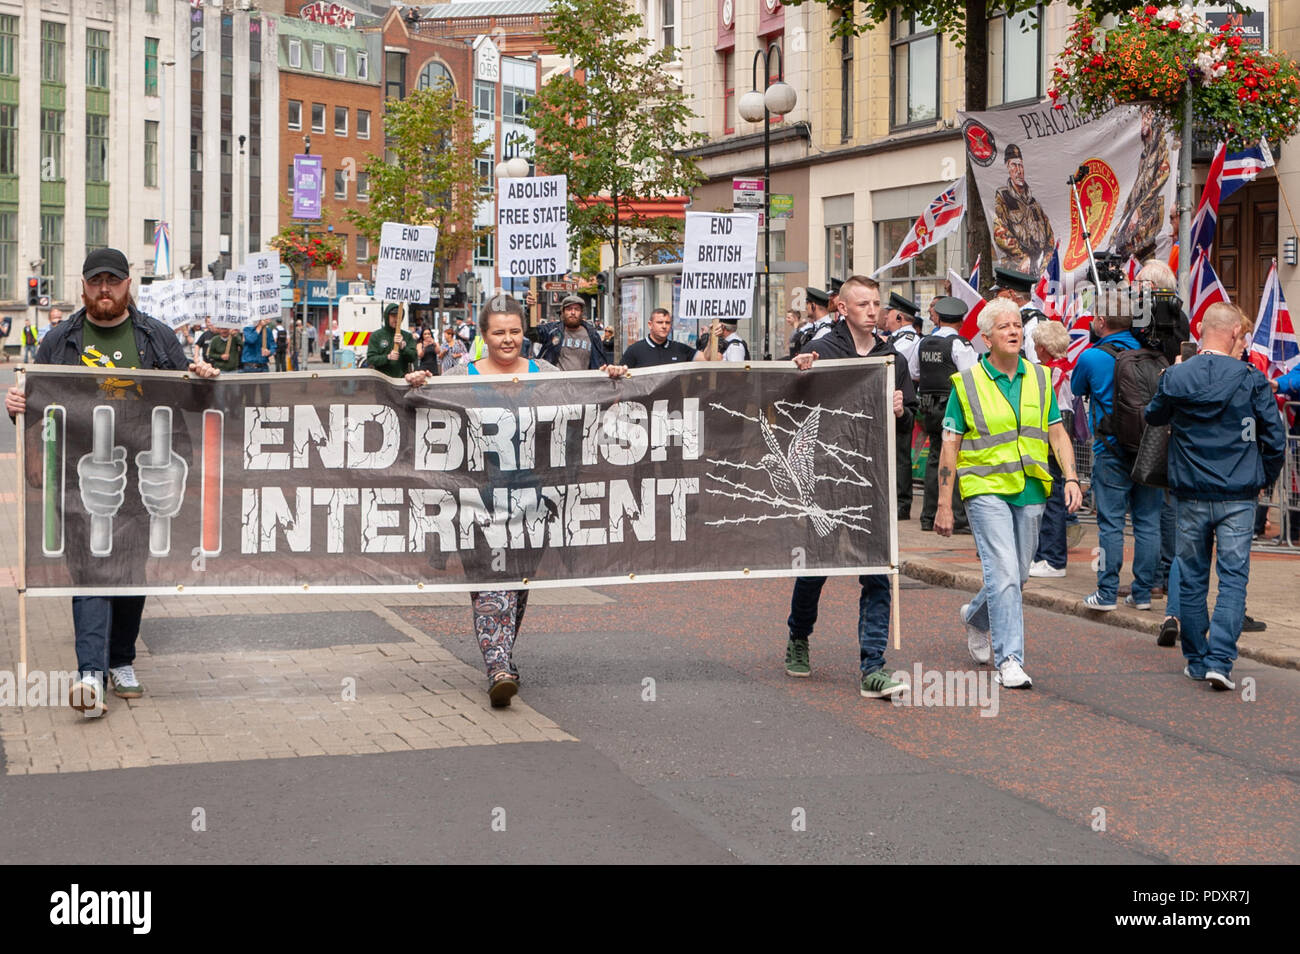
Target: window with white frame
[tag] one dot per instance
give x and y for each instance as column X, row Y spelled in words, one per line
column 363, row 124
column 914, row 71
column 340, row 183
column 318, row 57
column 295, row 54
column 340, row 61
column 363, row 186
column 1015, row 58
column 295, row 114
column 340, row 120
column 318, row 117
column 363, row 65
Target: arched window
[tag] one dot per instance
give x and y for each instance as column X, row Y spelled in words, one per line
column 434, row 73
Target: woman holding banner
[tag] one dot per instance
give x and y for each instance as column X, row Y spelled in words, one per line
column 498, row 614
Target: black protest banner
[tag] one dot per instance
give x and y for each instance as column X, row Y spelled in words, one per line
column 157, row 482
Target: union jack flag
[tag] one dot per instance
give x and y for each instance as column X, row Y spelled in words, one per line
column 1273, row 346
column 1048, row 294
column 1078, row 319
column 1206, row 291
column 974, row 280
column 1131, row 269
column 1228, row 173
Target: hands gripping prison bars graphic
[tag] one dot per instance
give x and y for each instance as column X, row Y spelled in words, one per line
column 161, row 477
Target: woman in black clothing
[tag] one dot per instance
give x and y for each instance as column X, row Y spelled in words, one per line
column 427, row 351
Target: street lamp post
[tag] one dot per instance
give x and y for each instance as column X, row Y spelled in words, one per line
column 776, row 97
column 163, row 159
column 512, row 166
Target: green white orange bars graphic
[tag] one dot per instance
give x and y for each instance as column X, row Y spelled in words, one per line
column 52, row 479
column 214, row 427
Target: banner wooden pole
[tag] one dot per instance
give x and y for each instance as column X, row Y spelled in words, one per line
column 1282, row 192
column 895, row 613
column 20, row 381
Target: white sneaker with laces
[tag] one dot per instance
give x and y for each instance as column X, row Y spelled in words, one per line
column 1043, row 569
column 1012, row 676
column 1218, row 680
column 1094, row 602
column 87, row 696
column 124, row 682
column 978, row 643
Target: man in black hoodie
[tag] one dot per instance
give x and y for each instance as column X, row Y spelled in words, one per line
column 1226, row 442
column 854, row 337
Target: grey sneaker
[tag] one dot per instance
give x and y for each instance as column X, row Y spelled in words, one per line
column 1142, row 605
column 796, row 658
column 978, row 642
column 1095, row 602
column 125, row 684
column 879, row 685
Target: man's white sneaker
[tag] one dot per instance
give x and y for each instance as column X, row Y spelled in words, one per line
column 1043, row 569
column 87, row 696
column 1219, row 681
column 978, row 643
column 1012, row 676
column 1132, row 601
column 125, row 684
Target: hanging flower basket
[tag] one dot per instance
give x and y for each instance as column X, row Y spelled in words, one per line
column 1239, row 95
column 301, row 253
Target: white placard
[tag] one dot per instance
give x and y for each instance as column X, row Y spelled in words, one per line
column 263, row 270
column 406, row 259
column 146, row 300
column 718, row 262
column 231, row 308
column 170, row 298
column 533, row 226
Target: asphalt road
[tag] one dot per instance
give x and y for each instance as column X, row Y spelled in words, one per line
column 728, row 759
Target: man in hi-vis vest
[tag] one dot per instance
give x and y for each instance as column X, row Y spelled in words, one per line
column 1000, row 418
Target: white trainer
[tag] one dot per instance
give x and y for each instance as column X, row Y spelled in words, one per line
column 1043, row 569
column 1012, row 676
column 87, row 696
column 978, row 642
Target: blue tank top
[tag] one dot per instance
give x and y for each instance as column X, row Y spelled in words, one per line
column 532, row 367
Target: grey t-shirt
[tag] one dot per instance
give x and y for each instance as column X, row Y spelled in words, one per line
column 575, row 350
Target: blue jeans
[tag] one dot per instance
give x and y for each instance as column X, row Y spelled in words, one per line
column 1005, row 538
column 1211, row 644
column 873, row 615
column 1116, row 494
column 1168, row 537
column 1051, row 533
column 106, row 628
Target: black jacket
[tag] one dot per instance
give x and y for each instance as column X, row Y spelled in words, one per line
column 838, row 343
column 550, row 337
column 157, row 344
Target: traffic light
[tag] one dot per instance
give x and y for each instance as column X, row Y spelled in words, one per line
column 33, row 291
column 602, row 282
column 45, row 290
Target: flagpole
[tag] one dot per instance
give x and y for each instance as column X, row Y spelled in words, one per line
column 1282, row 192
column 1185, row 196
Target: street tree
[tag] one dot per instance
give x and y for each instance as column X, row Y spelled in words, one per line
column 616, row 125
column 966, row 24
column 429, row 177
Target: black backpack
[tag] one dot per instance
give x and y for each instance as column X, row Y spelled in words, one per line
column 1137, row 375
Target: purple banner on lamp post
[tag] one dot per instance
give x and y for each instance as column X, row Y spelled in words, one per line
column 308, row 172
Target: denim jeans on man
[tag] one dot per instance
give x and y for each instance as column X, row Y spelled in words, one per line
column 1115, row 495
column 873, row 615
column 1052, row 545
column 1005, row 538
column 106, row 628
column 1226, row 527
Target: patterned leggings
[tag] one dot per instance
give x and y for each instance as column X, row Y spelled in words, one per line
column 498, row 615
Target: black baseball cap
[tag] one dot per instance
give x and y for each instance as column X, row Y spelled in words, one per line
column 105, row 260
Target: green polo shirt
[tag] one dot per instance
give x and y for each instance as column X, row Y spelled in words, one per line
column 1035, row 491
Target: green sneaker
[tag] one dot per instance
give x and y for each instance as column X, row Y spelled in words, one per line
column 125, row 684
column 878, row 685
column 796, row 658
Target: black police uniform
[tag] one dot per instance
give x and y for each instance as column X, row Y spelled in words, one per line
column 937, row 369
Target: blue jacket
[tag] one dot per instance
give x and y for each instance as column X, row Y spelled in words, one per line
column 253, row 344
column 1226, row 440
column 550, row 338
column 1094, row 379
column 1289, row 385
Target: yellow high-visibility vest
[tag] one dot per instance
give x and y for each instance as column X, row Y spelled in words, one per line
column 997, row 453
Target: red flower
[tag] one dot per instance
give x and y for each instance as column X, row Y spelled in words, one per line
column 1254, row 95
column 1097, row 61
column 1152, row 11
column 1053, row 93
column 1243, row 94
column 1058, row 106
column 1174, row 25
column 1251, row 82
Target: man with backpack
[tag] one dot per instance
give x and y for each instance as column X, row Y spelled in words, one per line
column 1118, row 377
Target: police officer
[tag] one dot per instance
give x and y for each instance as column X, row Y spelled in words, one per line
column 897, row 324
column 941, row 354
column 822, row 317
column 1017, row 286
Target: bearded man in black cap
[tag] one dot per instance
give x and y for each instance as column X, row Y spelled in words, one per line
column 1021, row 229
column 108, row 332
column 572, row 343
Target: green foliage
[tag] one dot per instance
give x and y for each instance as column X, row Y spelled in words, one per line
column 617, row 125
column 948, row 17
column 432, row 180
